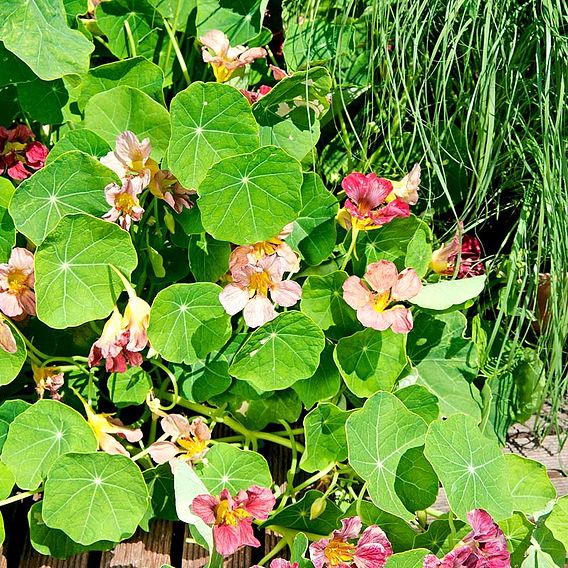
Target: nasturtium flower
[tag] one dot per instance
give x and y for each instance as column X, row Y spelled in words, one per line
column 48, row 379
column 223, row 58
column 254, row 96
column 20, row 153
column 280, row 563
column 189, row 441
column 366, row 205
column 374, row 306
column 407, row 188
column 17, row 296
column 231, row 517
column 164, row 185
column 135, row 322
column 124, row 201
column 370, row 551
column 463, row 251
column 7, row 340
column 484, row 547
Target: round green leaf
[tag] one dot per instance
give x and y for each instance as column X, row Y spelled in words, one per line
column 448, row 293
column 93, row 497
column 83, row 140
column 8, row 411
column 470, row 466
column 210, row 121
column 130, row 388
column 416, row 482
column 124, row 108
column 72, row 184
column 378, row 435
column 187, row 322
column 228, row 467
column 12, row 363
column 419, row 400
column 7, row 235
column 370, row 360
column 407, row 559
column 517, row 531
column 208, row 258
column 281, row 352
column 557, row 521
column 74, row 283
column 7, row 481
column 241, row 21
column 40, row 435
column 204, row 379
column 251, row 197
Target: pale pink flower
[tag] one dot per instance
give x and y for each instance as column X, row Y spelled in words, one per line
column 225, row 59
column 124, row 201
column 278, row 73
column 387, row 287
column 370, row 551
column 231, row 517
column 188, row 441
column 463, row 250
column 164, row 185
column 7, row 341
column 484, row 547
column 407, row 188
column 17, row 296
column 280, row 563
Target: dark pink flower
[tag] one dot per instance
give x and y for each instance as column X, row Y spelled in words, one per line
column 231, row 517
column 464, row 250
column 17, row 296
column 279, row 563
column 20, row 153
column 370, row 551
column 253, row 96
column 484, row 547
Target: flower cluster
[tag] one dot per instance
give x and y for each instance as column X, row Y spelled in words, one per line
column 20, row 153
column 256, row 271
column 48, row 379
column 463, row 252
column 374, row 306
column 231, row 517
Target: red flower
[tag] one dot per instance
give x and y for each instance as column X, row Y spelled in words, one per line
column 20, row 153
column 466, row 252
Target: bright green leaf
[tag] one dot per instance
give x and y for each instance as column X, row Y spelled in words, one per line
column 7, row 481
column 85, row 141
column 204, row 379
column 517, row 531
column 9, row 409
column 557, row 521
column 421, row 401
column 416, row 482
column 160, row 481
column 448, row 293
column 210, row 264
column 12, row 363
column 130, row 388
column 43, row 100
column 408, row 559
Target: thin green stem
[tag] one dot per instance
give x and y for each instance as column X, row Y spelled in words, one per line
column 349, row 253
column 146, row 450
column 19, row 497
column 312, row 479
column 282, row 543
column 178, row 52
column 173, row 380
column 130, row 37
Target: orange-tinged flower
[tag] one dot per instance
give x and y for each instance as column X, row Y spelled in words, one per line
column 164, row 185
column 407, row 188
column 48, row 379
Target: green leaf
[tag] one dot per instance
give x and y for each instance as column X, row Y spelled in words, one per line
column 209, row 264
column 377, row 437
column 12, row 363
column 322, row 300
column 326, row 440
column 160, row 481
column 175, row 11
column 7, row 481
column 310, row 42
column 249, row 198
column 288, row 115
column 124, row 108
column 210, row 121
column 204, row 379
column 416, row 482
column 518, row 531
column 72, row 184
column 43, row 100
column 408, row 559
column 557, row 521
column 470, row 466
column 130, row 388
column 136, row 72
column 530, row 486
column 9, row 409
column 7, row 235
column 446, row 362
column 448, row 293
column 187, row 322
column 36, row 31
column 93, row 497
column 228, row 467
column 7, row 190
column 545, row 551
column 370, row 360
column 297, row 516
column 420, row 401
column 39, row 436
column 281, row 352
column 74, row 283
column 84, row 140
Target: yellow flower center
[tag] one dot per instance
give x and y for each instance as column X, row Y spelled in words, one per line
column 259, row 283
column 221, row 72
column 266, row 248
column 381, row 301
column 364, row 224
column 224, row 515
column 13, row 147
column 125, row 202
column 192, row 445
column 16, row 281
column 339, row 552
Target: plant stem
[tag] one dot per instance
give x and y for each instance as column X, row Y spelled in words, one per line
column 283, row 542
column 145, row 451
column 19, row 497
column 312, row 479
column 349, row 253
column 178, row 52
column 131, row 42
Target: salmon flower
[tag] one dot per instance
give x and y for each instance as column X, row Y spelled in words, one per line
column 407, row 188
column 48, row 379
column 280, row 563
column 370, row 551
column 124, row 201
column 225, row 59
column 231, row 517
column 17, row 296
column 188, row 441
column 463, row 251
column 484, row 547
column 20, row 153
column 164, row 185
column 7, row 341
column 366, row 205
column 387, row 287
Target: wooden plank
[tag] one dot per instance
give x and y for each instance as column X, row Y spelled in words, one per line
column 144, row 550
column 3, row 561
column 33, row 559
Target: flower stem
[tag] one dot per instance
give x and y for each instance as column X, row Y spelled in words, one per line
column 351, row 250
column 131, row 41
column 173, row 380
column 312, row 480
column 178, row 52
column 283, row 542
column 145, row 451
column 19, row 497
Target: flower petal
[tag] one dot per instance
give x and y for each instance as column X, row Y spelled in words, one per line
column 407, row 285
column 258, row 311
column 233, row 298
column 162, row 452
column 260, row 501
column 175, row 425
column 350, row 528
column 204, row 507
column 7, row 341
column 370, row 317
column 286, row 293
column 381, row 275
column 400, row 318
column 355, row 293
column 216, row 41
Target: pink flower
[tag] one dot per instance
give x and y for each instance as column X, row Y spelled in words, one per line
column 463, row 250
column 371, row 551
column 365, row 207
column 232, row 518
column 124, row 201
column 280, row 563
column 165, row 186
column 135, row 322
column 17, row 296
column 278, row 73
column 387, row 286
column 48, row 379
column 7, row 341
column 189, row 440
column 225, row 59
column 20, row 153
column 407, row 188
column 484, row 547
column 253, row 96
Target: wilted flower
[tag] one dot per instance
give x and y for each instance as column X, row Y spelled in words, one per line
column 48, row 379
column 17, row 280
column 484, row 547
column 370, row 551
column 231, row 517
column 278, row 73
column 20, row 153
column 225, row 59
column 7, row 341
column 366, row 205
column 253, row 96
column 124, row 201
column 280, row 563
column 188, row 441
column 164, row 185
column 135, row 322
column 407, row 188
column 463, row 250
column 387, row 287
